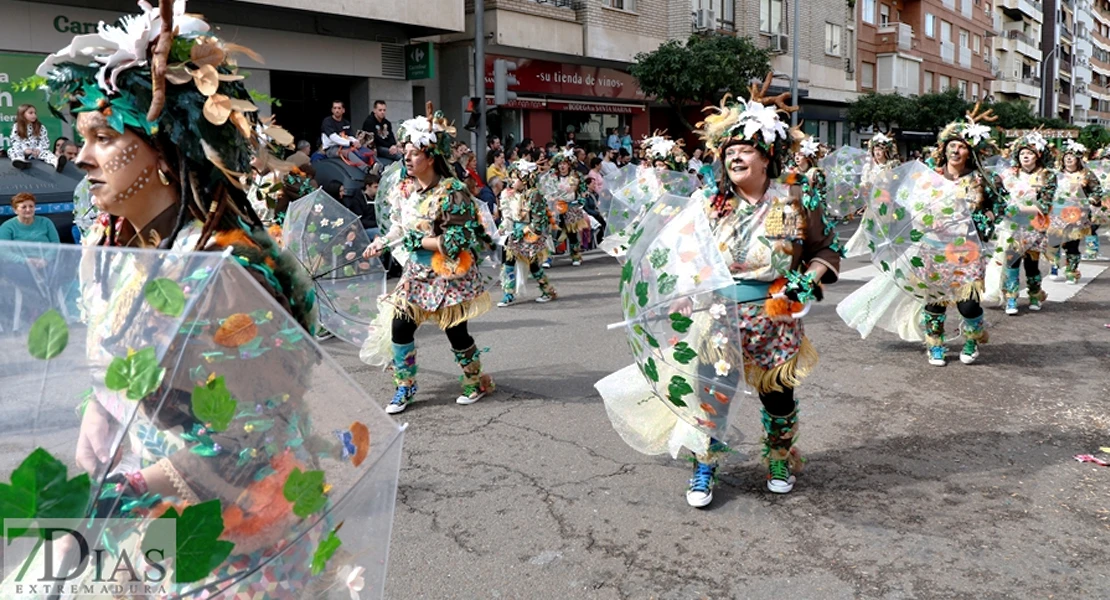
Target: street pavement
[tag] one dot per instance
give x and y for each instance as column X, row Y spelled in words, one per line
column 922, row 482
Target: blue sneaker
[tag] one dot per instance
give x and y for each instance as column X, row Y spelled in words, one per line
column 936, row 356
column 700, row 492
column 506, row 300
column 1054, row 273
column 401, row 399
column 1011, row 306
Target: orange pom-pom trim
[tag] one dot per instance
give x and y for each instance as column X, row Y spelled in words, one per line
column 781, row 307
column 452, row 268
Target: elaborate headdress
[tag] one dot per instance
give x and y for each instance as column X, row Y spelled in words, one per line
column 659, row 146
column 757, row 121
column 566, row 154
column 811, row 149
column 430, row 132
column 1032, row 140
column 525, row 169
column 1074, row 147
column 881, row 140
column 973, row 131
column 162, row 73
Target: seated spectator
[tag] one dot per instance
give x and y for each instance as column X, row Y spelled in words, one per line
column 590, row 204
column 482, row 193
column 301, row 157
column 385, row 140
column 625, row 157
column 496, row 161
column 580, row 161
column 70, row 151
column 550, row 148
column 60, row 145
column 470, row 161
column 595, row 169
column 30, row 141
column 27, row 226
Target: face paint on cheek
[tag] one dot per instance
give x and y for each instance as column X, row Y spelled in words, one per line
column 122, row 158
column 140, row 183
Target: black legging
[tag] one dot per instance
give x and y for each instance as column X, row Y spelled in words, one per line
column 404, row 332
column 1031, row 260
column 969, row 309
column 1071, row 248
column 778, row 404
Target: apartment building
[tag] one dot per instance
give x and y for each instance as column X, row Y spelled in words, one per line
column 573, row 58
column 316, row 51
column 1100, row 63
column 1083, row 74
column 1017, row 51
column 922, row 46
column 1062, row 77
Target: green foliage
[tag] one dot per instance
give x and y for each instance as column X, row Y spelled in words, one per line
column 931, row 112
column 199, row 549
column 261, row 99
column 1016, row 114
column 701, row 70
column 881, row 111
column 48, row 336
column 40, row 489
column 306, row 491
column 1094, row 137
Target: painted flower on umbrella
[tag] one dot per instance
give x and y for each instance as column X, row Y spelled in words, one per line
column 719, row 340
column 717, row 311
column 353, row 578
column 722, row 367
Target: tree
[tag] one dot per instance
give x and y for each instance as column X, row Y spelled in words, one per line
column 932, row 112
column 881, row 111
column 1094, row 137
column 701, row 70
column 1016, row 114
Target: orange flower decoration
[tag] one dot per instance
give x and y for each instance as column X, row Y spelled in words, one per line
column 781, row 307
column 237, row 330
column 1041, row 222
column 360, row 437
column 708, row 409
column 962, row 254
column 561, row 206
column 1071, row 215
column 446, row 267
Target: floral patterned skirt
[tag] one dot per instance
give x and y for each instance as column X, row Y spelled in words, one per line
column 776, row 351
column 574, row 220
column 525, row 251
column 424, row 295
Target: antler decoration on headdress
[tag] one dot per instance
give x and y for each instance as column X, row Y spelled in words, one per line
column 987, row 116
column 758, row 94
column 159, row 60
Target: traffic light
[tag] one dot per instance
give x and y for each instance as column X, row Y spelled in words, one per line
column 471, row 108
column 503, row 79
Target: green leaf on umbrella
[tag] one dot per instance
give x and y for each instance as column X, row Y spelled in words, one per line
column 325, row 551
column 959, row 241
column 48, row 336
column 40, row 489
column 336, row 250
column 658, row 258
column 639, row 329
column 899, row 274
column 948, row 210
column 667, row 284
column 939, row 258
column 213, row 404
column 883, row 210
column 680, row 322
column 200, row 551
column 917, row 262
column 306, row 491
column 654, row 343
column 915, row 235
column 928, row 220
column 651, row 370
column 139, row 374
column 884, row 265
column 165, row 296
column 626, row 272
column 642, row 293
column 899, row 240
column 683, row 353
column 900, row 213
column 677, row 389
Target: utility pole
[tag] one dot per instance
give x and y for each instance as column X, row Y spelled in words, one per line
column 794, row 78
column 480, row 81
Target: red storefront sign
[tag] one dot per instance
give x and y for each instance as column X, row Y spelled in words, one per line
column 562, row 79
column 526, row 103
column 620, row 109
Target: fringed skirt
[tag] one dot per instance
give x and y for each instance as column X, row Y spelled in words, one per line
column 425, row 295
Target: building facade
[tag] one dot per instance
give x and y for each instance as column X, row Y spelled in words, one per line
column 316, row 51
column 923, row 46
column 1017, row 51
column 1100, row 63
column 573, row 58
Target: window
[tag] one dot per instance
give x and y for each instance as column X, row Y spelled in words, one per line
column 867, row 76
column 965, row 39
column 884, row 14
column 629, row 5
column 869, row 11
column 930, row 25
column 945, row 31
column 771, row 16
column 962, row 85
column 944, row 83
column 832, row 39
column 977, row 43
column 928, row 82
column 975, row 91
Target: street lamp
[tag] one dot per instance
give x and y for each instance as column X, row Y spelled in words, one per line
column 1044, row 80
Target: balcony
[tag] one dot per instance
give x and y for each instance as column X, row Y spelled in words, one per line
column 997, row 18
column 893, row 37
column 1016, row 41
column 1065, row 68
column 1065, row 33
column 964, row 56
column 1029, row 87
column 1033, row 10
column 948, row 52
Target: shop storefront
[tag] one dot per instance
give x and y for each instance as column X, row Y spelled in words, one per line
column 555, row 99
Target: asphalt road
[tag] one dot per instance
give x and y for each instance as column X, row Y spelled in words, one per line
column 922, row 482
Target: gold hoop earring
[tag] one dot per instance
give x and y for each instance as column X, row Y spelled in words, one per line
column 162, row 177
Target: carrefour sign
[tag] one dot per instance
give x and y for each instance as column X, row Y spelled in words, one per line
column 63, row 24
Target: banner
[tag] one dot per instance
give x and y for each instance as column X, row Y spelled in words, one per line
column 15, row 67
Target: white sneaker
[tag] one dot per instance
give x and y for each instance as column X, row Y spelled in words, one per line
column 576, row 263
column 968, row 359
column 544, row 299
column 464, row 400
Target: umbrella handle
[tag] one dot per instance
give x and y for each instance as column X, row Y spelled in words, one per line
column 628, row 322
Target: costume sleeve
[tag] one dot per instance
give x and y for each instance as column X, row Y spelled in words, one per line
column 458, row 222
column 537, row 213
column 1047, row 194
column 1093, row 189
column 821, row 245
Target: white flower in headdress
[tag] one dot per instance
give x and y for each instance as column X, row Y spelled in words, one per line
column 419, row 131
column 658, row 146
column 525, row 167
column 809, row 147
column 976, row 133
column 1074, row 147
column 566, row 154
column 1035, row 140
column 879, row 138
column 758, row 118
column 123, row 47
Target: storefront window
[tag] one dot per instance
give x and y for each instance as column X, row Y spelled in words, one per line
column 589, row 128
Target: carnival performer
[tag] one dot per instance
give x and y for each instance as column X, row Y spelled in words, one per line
column 664, row 153
column 438, row 222
column 1074, row 179
column 165, row 171
column 805, row 170
column 777, row 240
column 564, row 190
column 961, row 148
column 526, row 225
column 883, row 154
column 1032, row 188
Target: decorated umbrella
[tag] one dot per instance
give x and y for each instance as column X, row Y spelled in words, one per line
column 1023, row 228
column 632, row 190
column 843, row 172
column 996, row 164
column 278, row 473
column 328, row 239
column 1100, row 215
column 681, row 328
column 1070, row 218
column 923, row 237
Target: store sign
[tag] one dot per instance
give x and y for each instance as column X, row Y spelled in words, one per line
column 1047, row 133
column 520, row 103
column 620, row 109
column 562, row 79
column 13, row 69
column 419, row 61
